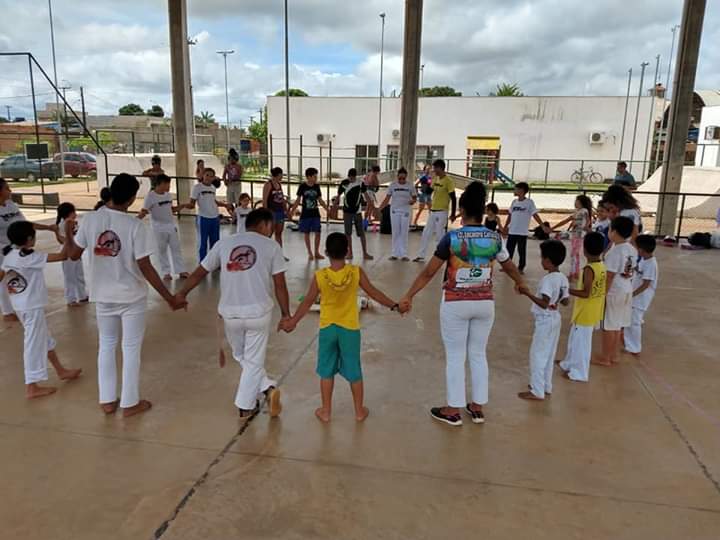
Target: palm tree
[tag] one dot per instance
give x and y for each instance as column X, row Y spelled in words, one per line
column 507, row 90
column 206, row 119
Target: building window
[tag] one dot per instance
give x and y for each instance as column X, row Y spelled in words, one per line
column 391, row 160
column 366, row 155
column 424, row 155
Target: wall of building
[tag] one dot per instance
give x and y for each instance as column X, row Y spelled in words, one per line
column 708, row 151
column 532, row 130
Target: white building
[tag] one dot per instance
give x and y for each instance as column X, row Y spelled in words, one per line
column 708, row 151
column 538, row 137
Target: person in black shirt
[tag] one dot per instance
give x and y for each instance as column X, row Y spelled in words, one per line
column 310, row 196
column 491, row 216
column 355, row 191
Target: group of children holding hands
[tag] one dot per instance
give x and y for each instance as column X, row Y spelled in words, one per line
column 614, row 289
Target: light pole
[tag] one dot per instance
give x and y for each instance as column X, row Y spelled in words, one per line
column 227, row 105
column 650, row 131
column 382, row 53
column 637, row 112
column 422, row 73
column 287, row 95
column 665, row 95
column 55, row 82
column 8, row 113
column 627, row 102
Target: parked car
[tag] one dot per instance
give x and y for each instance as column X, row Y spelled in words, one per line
column 78, row 163
column 18, row 167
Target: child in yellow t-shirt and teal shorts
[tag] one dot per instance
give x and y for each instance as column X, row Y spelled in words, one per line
column 339, row 339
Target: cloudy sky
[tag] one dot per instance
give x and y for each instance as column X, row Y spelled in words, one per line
column 119, row 50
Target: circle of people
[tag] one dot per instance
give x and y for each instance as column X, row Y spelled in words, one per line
column 612, row 289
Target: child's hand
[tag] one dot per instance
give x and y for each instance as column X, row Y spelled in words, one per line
column 405, row 305
column 287, row 325
column 522, row 288
column 178, row 302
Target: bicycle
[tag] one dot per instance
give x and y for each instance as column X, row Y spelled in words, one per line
column 584, row 176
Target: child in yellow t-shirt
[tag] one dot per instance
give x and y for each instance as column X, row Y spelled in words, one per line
column 339, row 340
column 587, row 311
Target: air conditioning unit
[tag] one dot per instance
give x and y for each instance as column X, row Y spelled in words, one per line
column 324, row 138
column 396, row 133
column 712, row 133
column 597, row 137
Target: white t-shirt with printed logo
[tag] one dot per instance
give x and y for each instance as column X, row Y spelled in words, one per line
column 160, row 208
column 240, row 216
column 555, row 286
column 9, row 213
column 621, row 259
column 247, row 263
column 24, row 279
column 206, row 203
column 114, row 241
column 646, row 270
column 401, row 196
column 521, row 212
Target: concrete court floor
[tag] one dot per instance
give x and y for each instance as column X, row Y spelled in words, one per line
column 634, row 454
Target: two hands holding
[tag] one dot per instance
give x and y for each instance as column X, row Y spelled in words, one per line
column 288, row 324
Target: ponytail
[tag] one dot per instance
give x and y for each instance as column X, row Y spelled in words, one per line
column 63, row 211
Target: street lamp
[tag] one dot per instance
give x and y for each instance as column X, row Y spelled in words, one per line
column 422, row 73
column 665, row 96
column 227, row 105
column 55, row 82
column 637, row 111
column 382, row 52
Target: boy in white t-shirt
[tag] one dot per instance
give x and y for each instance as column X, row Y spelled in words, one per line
column 553, row 289
column 251, row 266
column 119, row 248
column 620, row 264
column 242, row 211
column 517, row 226
column 22, row 277
column 208, row 216
column 644, row 285
column 159, row 204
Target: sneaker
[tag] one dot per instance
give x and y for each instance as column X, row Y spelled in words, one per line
column 405, row 259
column 477, row 416
column 450, row 419
column 272, row 395
column 393, row 258
column 419, row 259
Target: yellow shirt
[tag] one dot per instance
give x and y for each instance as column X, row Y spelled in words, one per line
column 589, row 311
column 442, row 188
column 338, row 296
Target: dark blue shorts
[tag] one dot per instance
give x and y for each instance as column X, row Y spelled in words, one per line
column 310, row 224
column 279, row 216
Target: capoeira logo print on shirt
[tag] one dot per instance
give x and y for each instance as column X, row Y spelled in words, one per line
column 108, row 245
column 242, row 258
column 16, row 284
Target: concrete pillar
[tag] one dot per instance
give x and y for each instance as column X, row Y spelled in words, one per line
column 679, row 118
column 410, row 84
column 181, row 96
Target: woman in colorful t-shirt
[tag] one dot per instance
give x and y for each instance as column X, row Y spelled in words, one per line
column 467, row 310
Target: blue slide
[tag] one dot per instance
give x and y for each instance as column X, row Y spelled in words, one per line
column 504, row 178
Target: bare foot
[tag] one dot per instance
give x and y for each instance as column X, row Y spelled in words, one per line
column 310, row 257
column 566, row 375
column 322, row 415
column 529, row 396
column 597, row 362
column 11, row 317
column 184, row 275
column 74, row 304
column 34, row 390
column 142, row 406
column 110, row 408
column 319, row 257
column 363, row 414
column 368, row 257
column 69, row 374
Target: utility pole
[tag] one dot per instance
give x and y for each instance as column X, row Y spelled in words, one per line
column 650, row 132
column 665, row 96
column 227, row 103
column 55, row 82
column 8, row 113
column 627, row 102
column 287, row 94
column 84, row 115
column 412, row 42
column 422, row 75
column 382, row 54
column 261, row 114
column 637, row 112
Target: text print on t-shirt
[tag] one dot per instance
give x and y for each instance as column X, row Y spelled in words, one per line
column 16, row 284
column 108, row 245
column 9, row 216
column 242, row 258
column 629, row 268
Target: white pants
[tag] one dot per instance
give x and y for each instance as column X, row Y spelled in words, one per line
column 579, row 350
column 400, row 222
column 542, row 353
column 74, row 278
column 114, row 321
column 169, row 240
column 248, row 339
column 37, row 343
column 435, row 226
column 465, row 328
column 633, row 333
column 5, row 304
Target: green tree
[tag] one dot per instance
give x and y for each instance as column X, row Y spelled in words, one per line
column 131, row 109
column 294, row 92
column 156, row 110
column 439, row 91
column 205, row 119
column 258, row 130
column 507, row 90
